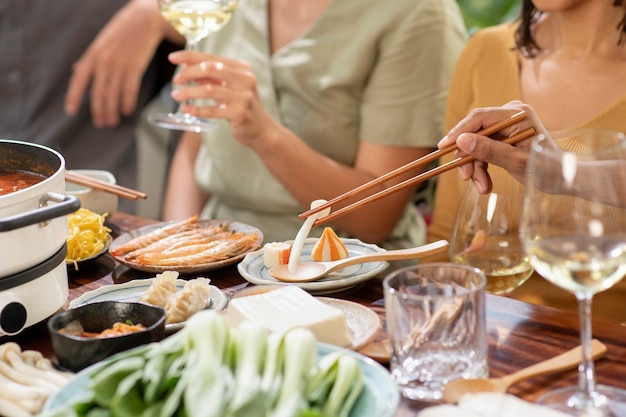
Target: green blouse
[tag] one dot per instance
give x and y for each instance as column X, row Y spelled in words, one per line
column 363, row 71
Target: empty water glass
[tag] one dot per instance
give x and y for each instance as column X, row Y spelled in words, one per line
column 436, row 325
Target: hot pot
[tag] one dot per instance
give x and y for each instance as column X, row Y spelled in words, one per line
column 33, row 231
column 33, row 226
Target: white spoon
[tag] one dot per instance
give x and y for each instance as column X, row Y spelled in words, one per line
column 310, row 271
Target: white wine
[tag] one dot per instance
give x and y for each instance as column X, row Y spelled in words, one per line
column 579, row 263
column 506, row 268
column 196, row 19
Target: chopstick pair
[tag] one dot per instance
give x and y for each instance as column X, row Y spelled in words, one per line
column 104, row 186
column 517, row 117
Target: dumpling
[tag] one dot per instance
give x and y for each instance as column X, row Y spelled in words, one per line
column 162, row 288
column 193, row 297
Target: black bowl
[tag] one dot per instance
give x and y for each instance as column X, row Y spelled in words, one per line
column 75, row 353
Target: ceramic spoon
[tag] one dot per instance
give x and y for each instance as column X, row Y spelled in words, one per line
column 454, row 390
column 310, row 271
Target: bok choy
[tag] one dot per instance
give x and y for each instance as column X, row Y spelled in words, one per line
column 210, row 370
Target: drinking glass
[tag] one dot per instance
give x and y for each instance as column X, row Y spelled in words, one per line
column 437, row 328
column 195, row 20
column 486, row 235
column 573, row 228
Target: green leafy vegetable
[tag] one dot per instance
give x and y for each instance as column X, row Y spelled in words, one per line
column 210, row 370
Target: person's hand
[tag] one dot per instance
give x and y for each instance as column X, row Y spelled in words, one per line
column 489, row 151
column 232, row 87
column 115, row 62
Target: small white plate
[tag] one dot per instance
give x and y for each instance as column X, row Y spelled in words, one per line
column 362, row 321
column 132, row 291
column 253, row 269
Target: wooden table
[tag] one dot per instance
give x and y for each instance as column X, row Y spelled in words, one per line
column 519, row 334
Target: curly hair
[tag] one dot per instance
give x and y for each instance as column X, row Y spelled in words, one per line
column 529, row 15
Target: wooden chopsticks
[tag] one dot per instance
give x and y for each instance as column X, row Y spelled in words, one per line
column 104, row 186
column 528, row 133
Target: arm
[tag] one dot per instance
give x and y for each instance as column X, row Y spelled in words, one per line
column 306, row 173
column 183, row 197
column 115, row 62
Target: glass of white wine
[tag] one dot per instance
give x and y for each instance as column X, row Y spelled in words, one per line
column 195, row 20
column 573, row 228
column 485, row 235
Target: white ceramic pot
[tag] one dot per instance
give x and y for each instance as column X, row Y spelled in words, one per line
column 33, row 221
column 33, row 295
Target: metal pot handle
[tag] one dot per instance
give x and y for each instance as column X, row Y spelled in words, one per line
column 66, row 204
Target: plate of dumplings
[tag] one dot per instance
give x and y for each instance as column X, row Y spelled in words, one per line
column 181, row 298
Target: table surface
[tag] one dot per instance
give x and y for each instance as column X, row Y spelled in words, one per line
column 519, row 334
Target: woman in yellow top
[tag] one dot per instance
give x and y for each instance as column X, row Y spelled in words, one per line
column 567, row 60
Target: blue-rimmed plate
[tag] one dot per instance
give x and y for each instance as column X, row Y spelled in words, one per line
column 133, row 290
column 253, row 269
column 380, row 397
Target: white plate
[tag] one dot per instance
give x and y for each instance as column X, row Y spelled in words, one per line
column 253, row 269
column 132, row 291
column 187, row 269
column 380, row 397
column 363, row 322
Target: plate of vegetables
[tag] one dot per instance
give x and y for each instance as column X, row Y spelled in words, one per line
column 211, row 369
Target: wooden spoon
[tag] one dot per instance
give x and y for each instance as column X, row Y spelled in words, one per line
column 310, row 271
column 454, row 390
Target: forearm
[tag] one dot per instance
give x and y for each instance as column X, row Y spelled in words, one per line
column 183, row 197
column 309, row 175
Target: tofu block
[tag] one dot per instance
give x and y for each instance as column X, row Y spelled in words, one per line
column 291, row 306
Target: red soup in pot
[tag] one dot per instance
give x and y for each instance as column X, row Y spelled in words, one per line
column 12, row 180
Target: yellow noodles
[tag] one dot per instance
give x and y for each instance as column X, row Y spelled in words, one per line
column 86, row 235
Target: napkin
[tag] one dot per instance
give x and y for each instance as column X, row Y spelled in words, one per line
column 491, row 404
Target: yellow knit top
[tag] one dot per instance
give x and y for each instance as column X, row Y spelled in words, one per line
column 487, row 74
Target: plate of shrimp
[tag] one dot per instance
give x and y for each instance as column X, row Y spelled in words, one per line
column 187, row 246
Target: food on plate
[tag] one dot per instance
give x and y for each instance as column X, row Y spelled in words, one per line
column 291, row 306
column 163, row 287
column 178, row 304
column 12, row 180
column 87, row 235
column 329, row 247
column 27, row 380
column 154, row 236
column 209, row 369
column 74, row 328
column 187, row 242
column 276, row 253
column 193, row 297
column 302, row 234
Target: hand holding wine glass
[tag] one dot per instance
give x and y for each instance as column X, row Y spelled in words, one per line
column 574, row 231
column 195, row 20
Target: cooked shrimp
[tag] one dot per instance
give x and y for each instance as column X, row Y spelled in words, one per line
column 235, row 245
column 155, row 235
column 185, row 250
column 181, row 239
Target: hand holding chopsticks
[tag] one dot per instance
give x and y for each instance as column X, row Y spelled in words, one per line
column 528, row 133
column 104, row 186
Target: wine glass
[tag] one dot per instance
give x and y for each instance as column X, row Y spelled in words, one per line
column 573, row 228
column 195, row 20
column 485, row 235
